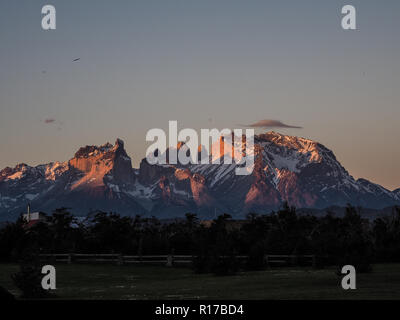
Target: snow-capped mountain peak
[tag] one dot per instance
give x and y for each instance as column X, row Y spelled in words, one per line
column 300, row 171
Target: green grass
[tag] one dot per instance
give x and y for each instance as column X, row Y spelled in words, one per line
column 156, row 282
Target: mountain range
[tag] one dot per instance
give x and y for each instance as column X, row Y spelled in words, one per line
column 299, row 171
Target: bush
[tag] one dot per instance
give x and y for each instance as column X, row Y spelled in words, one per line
column 224, row 266
column 5, row 295
column 361, row 262
column 201, row 264
column 29, row 279
column 256, row 259
column 219, row 265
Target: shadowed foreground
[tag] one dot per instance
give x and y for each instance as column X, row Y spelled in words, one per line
column 148, row 282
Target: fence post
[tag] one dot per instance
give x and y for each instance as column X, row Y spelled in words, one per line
column 170, row 260
column 314, row 261
column 120, row 260
column 69, row 258
column 266, row 261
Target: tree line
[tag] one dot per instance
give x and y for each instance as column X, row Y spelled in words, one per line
column 335, row 240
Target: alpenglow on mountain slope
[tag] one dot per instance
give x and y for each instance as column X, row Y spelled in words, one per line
column 290, row 169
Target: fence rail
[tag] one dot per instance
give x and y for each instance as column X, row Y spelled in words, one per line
column 168, row 260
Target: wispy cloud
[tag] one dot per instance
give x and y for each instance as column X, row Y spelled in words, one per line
column 54, row 122
column 268, row 123
column 49, row 120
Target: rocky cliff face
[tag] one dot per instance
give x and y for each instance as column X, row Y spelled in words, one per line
column 302, row 172
column 95, row 178
column 102, row 166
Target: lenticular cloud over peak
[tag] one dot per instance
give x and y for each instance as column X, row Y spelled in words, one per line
column 269, row 123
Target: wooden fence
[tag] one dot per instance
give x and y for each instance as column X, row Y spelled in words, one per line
column 284, row 260
column 169, row 260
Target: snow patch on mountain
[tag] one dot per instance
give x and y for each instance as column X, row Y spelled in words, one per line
column 397, row 193
column 30, row 196
column 285, row 163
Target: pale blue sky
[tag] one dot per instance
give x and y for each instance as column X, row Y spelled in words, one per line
column 146, row 62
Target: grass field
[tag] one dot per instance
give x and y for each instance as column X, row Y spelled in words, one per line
column 157, row 282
